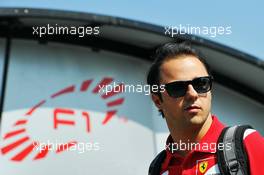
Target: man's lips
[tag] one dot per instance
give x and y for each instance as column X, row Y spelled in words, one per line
column 192, row 107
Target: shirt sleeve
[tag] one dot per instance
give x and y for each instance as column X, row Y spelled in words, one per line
column 254, row 144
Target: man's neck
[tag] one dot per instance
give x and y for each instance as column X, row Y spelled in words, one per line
column 190, row 134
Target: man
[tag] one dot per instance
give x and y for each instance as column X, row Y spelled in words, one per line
column 185, row 103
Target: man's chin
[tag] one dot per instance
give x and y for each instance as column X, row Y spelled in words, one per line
column 196, row 119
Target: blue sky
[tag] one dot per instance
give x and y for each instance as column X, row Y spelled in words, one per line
column 245, row 18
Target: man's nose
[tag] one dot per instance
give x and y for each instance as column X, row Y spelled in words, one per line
column 191, row 92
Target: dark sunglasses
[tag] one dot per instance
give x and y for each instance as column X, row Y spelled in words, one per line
column 178, row 88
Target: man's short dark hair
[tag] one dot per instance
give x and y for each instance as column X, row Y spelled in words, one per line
column 171, row 51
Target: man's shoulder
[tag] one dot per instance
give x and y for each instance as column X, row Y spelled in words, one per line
column 253, row 139
column 252, row 133
column 254, row 145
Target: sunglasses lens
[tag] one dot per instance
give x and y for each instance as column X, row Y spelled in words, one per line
column 178, row 88
column 202, row 84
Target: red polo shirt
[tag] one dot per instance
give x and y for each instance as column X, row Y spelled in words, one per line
column 202, row 158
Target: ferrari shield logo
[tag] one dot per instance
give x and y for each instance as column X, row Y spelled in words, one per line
column 203, row 166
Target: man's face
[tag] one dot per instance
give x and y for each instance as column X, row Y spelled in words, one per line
column 191, row 109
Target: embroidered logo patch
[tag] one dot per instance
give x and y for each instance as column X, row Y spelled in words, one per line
column 203, row 166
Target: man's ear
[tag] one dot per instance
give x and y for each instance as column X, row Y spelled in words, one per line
column 157, row 100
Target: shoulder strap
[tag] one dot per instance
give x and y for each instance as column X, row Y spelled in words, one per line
column 155, row 166
column 233, row 158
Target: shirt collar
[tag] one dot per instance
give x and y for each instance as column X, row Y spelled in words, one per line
column 209, row 140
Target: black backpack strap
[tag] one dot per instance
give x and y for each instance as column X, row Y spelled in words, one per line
column 234, row 160
column 155, row 166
